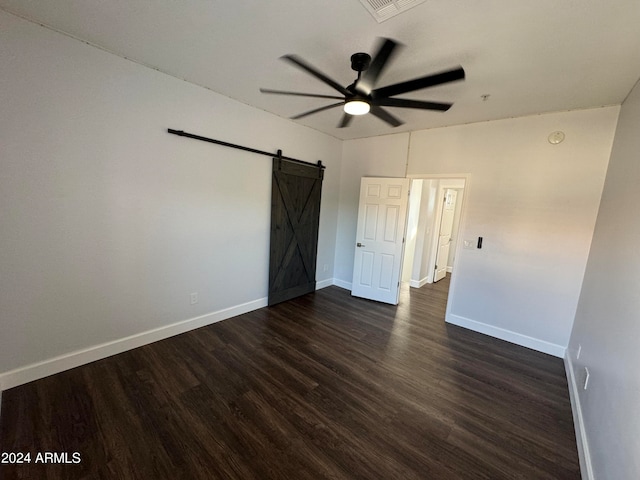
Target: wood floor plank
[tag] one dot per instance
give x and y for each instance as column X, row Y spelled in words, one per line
column 326, row 386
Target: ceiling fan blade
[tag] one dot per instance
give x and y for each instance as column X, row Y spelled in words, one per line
column 316, row 73
column 419, row 83
column 299, row 94
column 316, row 110
column 406, row 103
column 382, row 114
column 345, row 121
column 381, row 59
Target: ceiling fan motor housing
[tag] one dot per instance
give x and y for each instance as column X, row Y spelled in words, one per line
column 360, row 61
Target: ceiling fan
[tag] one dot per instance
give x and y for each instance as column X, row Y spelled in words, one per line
column 361, row 97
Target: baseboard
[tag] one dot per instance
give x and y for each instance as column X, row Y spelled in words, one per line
column 508, row 335
column 419, row 283
column 324, row 283
column 342, row 284
column 35, row 371
column 449, row 269
column 584, row 456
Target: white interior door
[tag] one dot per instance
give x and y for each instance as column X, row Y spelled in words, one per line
column 444, row 236
column 382, row 216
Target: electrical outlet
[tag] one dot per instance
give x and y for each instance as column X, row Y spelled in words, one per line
column 586, row 378
column 194, row 298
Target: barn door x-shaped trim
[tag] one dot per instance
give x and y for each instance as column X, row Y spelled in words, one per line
column 294, row 221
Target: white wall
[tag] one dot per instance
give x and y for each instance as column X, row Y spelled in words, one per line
column 534, row 203
column 456, row 225
column 413, row 215
column 607, row 322
column 384, row 156
column 108, row 222
column 421, row 272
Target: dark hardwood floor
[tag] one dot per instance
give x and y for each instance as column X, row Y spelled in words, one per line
column 323, row 386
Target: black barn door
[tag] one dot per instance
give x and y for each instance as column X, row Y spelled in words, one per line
column 295, row 215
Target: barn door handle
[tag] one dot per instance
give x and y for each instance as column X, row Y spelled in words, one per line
column 359, row 244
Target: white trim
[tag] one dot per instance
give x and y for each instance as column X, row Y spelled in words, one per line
column 324, row 283
column 342, row 284
column 449, row 269
column 419, row 283
column 35, row 371
column 508, row 335
column 586, row 467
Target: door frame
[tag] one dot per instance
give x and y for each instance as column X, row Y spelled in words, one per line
column 461, row 228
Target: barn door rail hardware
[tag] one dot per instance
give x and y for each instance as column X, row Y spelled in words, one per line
column 182, row 133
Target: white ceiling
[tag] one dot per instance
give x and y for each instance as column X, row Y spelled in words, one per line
column 529, row 56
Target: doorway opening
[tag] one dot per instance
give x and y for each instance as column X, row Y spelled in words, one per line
column 433, row 225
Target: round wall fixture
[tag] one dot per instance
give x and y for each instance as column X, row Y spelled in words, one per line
column 556, row 137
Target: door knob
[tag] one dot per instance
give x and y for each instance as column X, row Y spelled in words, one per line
column 359, row 244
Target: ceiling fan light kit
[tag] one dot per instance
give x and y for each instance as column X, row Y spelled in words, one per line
column 361, row 97
column 357, row 107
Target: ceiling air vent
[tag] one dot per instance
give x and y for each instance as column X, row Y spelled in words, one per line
column 385, row 9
